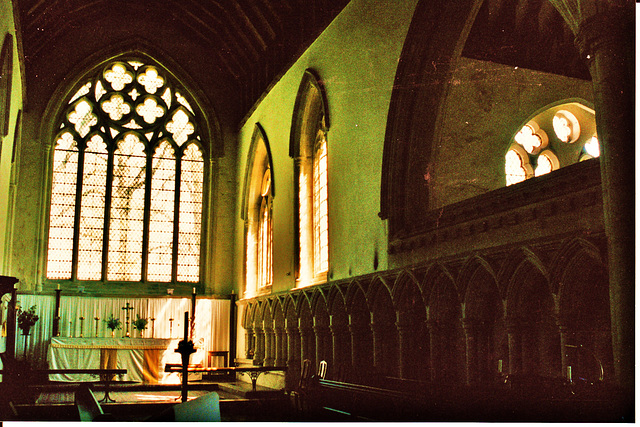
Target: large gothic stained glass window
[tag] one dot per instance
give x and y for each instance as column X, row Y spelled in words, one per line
column 127, row 184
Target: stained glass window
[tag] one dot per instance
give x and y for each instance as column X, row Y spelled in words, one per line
column 127, row 183
column 559, row 135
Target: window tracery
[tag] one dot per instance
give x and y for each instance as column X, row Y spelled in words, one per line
column 127, row 183
column 557, row 136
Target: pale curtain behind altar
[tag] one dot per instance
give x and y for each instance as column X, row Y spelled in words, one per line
column 211, row 323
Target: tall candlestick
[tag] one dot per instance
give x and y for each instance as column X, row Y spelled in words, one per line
column 171, row 328
column 186, row 326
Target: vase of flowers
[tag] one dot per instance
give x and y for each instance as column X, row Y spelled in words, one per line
column 26, row 319
column 113, row 324
column 140, row 324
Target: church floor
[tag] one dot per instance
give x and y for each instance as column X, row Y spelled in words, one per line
column 137, row 402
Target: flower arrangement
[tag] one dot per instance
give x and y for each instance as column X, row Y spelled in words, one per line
column 27, row 318
column 140, row 323
column 113, row 323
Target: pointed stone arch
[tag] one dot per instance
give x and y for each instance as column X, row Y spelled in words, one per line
column 583, row 312
column 341, row 366
column 534, row 339
column 513, row 261
column 485, row 330
column 359, row 313
column 413, row 335
column 444, row 314
column 385, row 331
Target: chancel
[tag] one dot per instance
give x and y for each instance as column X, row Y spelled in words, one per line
column 321, row 210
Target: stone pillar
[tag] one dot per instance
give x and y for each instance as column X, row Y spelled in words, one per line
column 564, row 354
column 293, row 354
column 514, row 335
column 377, row 334
column 258, row 358
column 605, row 36
column 405, row 349
column 307, row 339
column 270, row 349
column 248, row 343
column 323, row 343
column 434, row 339
column 341, row 357
column 280, row 346
column 361, row 350
column 471, row 338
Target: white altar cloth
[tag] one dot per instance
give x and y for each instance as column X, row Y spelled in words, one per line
column 143, row 358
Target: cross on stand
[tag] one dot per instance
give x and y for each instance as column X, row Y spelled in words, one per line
column 126, row 312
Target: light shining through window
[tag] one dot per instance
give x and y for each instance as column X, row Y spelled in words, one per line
column 127, row 182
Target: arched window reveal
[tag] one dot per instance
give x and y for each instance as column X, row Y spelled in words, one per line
column 127, row 186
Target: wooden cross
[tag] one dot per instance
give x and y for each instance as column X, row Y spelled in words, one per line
column 126, row 312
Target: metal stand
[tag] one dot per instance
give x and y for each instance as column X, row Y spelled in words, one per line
column 185, row 348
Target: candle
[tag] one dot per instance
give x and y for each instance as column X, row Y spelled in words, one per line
column 58, row 288
column 569, row 373
column 500, row 365
column 194, row 291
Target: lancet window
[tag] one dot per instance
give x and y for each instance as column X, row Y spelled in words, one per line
column 309, row 148
column 127, row 180
column 258, row 215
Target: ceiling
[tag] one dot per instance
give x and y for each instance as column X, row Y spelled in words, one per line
column 246, row 44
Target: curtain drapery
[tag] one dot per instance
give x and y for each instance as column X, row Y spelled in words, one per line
column 211, row 330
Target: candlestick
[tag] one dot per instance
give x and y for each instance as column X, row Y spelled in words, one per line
column 96, row 319
column 81, row 326
column 153, row 323
column 171, row 328
column 186, row 325
column 70, row 323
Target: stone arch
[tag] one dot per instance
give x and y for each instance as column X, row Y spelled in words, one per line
column 307, row 336
column 321, row 325
column 487, row 345
column 413, row 335
column 436, row 36
column 359, row 314
column 444, row 314
column 584, row 314
column 339, row 325
column 534, row 340
column 256, row 206
column 513, row 261
column 293, row 341
column 280, row 343
column 385, row 331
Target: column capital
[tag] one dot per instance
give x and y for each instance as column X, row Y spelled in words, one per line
column 604, row 31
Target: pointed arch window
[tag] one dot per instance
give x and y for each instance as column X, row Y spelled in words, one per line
column 259, row 192
column 309, row 148
column 127, row 182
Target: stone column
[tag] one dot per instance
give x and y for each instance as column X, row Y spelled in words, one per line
column 434, row 344
column 361, row 351
column 605, row 37
column 514, row 335
column 564, row 354
column 405, row 349
column 323, row 344
column 258, row 358
column 293, row 354
column 248, row 343
column 471, row 338
column 270, row 349
column 307, row 338
column 280, row 346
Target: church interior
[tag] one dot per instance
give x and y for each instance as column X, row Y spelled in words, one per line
column 344, row 210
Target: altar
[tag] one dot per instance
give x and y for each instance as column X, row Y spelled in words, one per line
column 143, row 358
